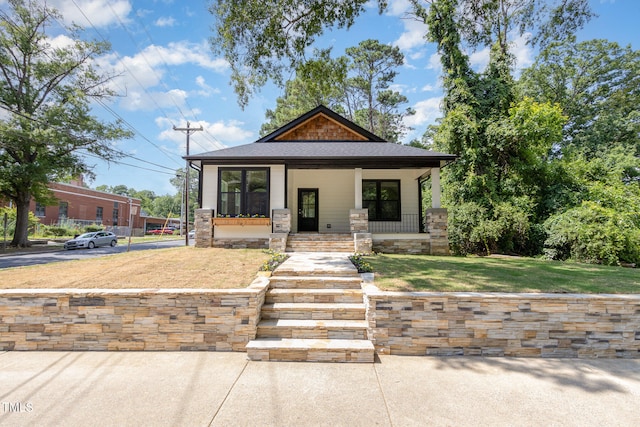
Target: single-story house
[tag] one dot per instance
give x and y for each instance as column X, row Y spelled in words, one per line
column 321, row 174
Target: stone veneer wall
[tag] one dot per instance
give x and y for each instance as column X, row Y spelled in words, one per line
column 402, row 246
column 203, row 227
column 359, row 220
column 436, row 222
column 524, row 325
column 241, row 243
column 281, row 221
column 167, row 319
column 362, row 243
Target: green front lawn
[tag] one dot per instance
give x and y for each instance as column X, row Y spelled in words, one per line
column 498, row 274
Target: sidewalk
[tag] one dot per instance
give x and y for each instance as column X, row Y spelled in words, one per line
column 224, row 389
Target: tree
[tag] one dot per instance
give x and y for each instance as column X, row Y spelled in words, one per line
column 356, row 85
column 46, row 91
column 263, row 38
column 494, row 188
column 602, row 225
column 597, row 83
column 319, row 81
column 374, row 65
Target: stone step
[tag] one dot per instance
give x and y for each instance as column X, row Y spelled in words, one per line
column 313, row 295
column 345, row 269
column 320, row 329
column 314, row 311
column 315, row 282
column 319, row 250
column 334, row 237
column 310, row 350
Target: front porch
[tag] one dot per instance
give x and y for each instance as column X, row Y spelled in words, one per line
column 364, row 236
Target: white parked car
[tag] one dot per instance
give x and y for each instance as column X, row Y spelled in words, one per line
column 92, row 240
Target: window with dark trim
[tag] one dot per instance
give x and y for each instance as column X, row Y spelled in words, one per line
column 63, row 210
column 382, row 199
column 99, row 214
column 243, row 192
column 40, row 209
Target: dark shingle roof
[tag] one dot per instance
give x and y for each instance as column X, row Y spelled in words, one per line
column 344, row 154
column 324, row 154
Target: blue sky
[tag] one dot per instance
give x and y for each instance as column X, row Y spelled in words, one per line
column 168, row 76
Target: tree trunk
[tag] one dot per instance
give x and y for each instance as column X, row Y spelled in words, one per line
column 21, row 234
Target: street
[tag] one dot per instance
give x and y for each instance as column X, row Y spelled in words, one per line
column 35, row 258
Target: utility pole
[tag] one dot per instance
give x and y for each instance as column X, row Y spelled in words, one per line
column 188, row 131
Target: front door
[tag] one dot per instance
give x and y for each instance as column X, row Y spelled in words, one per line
column 307, row 209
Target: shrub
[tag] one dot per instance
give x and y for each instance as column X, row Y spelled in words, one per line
column 57, row 231
column 594, row 234
column 92, row 228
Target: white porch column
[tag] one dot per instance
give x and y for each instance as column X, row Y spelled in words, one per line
column 435, row 187
column 358, row 188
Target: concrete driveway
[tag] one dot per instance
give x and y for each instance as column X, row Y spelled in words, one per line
column 224, row 389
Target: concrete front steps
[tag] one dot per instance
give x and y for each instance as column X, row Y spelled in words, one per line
column 320, row 242
column 313, row 318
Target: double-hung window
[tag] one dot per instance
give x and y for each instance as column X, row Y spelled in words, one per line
column 243, row 192
column 382, row 199
column 40, row 209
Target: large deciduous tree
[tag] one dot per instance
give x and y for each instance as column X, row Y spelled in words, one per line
column 495, row 188
column 261, row 38
column 45, row 94
column 597, row 83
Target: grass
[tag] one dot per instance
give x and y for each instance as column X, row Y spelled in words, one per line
column 498, row 274
column 182, row 267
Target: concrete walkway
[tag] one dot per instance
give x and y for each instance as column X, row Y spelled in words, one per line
column 305, row 263
column 224, row 389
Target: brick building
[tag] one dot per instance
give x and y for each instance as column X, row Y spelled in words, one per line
column 86, row 206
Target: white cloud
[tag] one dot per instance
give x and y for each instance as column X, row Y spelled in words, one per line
column 216, row 135
column 427, row 88
column 60, row 42
column 480, row 59
column 149, row 101
column 147, row 68
column 97, row 13
column 165, row 22
column 522, row 52
column 434, row 63
column 413, row 35
column 205, row 89
column 398, row 7
column 427, row 111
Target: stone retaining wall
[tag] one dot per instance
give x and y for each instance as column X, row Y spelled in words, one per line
column 136, row 319
column 524, row 325
column 402, row 246
column 241, row 243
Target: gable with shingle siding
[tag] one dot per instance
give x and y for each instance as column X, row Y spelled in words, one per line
column 321, row 128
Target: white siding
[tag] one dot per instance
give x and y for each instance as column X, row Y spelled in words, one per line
column 242, row 232
column 277, row 187
column 336, row 192
column 209, row 187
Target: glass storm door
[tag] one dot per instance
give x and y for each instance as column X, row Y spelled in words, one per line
column 307, row 209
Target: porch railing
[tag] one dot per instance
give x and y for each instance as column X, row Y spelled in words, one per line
column 410, row 223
